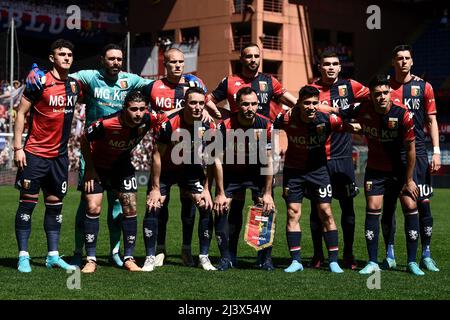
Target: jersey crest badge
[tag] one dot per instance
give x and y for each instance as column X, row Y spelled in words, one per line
column 342, row 90
column 263, row 86
column 415, row 91
column 320, row 128
column 393, row 123
column 73, row 87
column 124, row 84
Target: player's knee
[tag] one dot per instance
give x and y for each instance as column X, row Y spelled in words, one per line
column 93, row 209
column 293, row 213
column 326, row 216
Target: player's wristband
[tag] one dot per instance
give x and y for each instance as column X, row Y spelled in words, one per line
column 436, row 150
column 17, row 149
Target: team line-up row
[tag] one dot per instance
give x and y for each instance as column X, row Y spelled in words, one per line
column 317, row 159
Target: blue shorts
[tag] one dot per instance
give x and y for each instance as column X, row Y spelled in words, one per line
column 378, row 183
column 192, row 182
column 314, row 185
column 422, row 177
column 233, row 183
column 342, row 176
column 120, row 178
column 50, row 174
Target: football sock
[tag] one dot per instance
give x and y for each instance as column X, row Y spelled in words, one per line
column 294, row 240
column 331, row 241
column 388, row 223
column 163, row 217
column 79, row 226
column 150, row 229
column 129, row 226
column 426, row 226
column 412, row 233
column 114, row 222
column 348, row 224
column 23, row 221
column 316, row 230
column 205, row 225
column 372, row 230
column 221, row 225
column 91, row 226
column 235, row 223
column 52, row 223
column 187, row 219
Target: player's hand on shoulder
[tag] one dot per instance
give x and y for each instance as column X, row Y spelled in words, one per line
column 36, row 79
column 206, row 117
column 194, row 82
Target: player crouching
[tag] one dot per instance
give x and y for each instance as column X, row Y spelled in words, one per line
column 106, row 147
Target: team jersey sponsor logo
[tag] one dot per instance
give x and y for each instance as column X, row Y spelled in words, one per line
column 393, row 123
column 124, row 83
column 415, row 91
column 263, row 86
column 342, row 90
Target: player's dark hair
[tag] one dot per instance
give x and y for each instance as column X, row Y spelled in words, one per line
column 248, row 45
column 308, row 91
column 133, row 96
column 402, row 47
column 193, row 90
column 379, row 80
column 243, row 92
column 328, row 54
column 110, row 46
column 61, row 43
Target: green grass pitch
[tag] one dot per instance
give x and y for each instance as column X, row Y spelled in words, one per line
column 174, row 281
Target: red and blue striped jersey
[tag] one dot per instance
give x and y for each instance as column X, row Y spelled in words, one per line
column 51, row 116
column 307, row 142
column 341, row 94
column 112, row 142
column 265, row 85
column 166, row 96
column 236, row 148
column 171, row 129
column 418, row 97
column 386, row 134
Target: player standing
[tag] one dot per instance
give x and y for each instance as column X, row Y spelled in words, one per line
column 389, row 129
column 417, row 95
column 43, row 161
column 267, row 88
column 232, row 178
column 167, row 94
column 338, row 93
column 188, row 175
column 305, row 172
